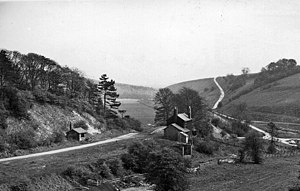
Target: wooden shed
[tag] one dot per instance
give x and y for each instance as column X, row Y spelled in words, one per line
column 78, row 134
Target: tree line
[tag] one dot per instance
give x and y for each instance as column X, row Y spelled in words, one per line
column 36, row 73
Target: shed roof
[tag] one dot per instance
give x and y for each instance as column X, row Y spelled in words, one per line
column 79, row 130
column 184, row 117
column 180, row 128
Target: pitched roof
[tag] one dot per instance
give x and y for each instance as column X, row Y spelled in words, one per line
column 79, row 130
column 180, row 128
column 184, row 117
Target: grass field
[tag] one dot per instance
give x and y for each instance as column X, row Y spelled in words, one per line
column 273, row 174
column 205, row 87
column 139, row 109
column 18, row 170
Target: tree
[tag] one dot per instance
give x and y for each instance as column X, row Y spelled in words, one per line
column 187, row 98
column 245, row 70
column 241, row 111
column 253, row 145
column 163, row 105
column 122, row 112
column 167, row 171
column 109, row 92
column 8, row 74
column 273, row 130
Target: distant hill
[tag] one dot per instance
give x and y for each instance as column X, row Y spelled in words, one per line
column 127, row 91
column 205, row 87
column 135, row 92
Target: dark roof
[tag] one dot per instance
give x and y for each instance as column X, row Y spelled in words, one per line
column 184, row 117
column 79, row 130
column 179, row 128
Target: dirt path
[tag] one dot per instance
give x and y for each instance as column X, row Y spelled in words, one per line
column 126, row 136
column 221, row 96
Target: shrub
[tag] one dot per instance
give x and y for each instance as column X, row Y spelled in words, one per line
column 116, row 167
column 81, row 124
column 3, row 145
column 3, row 116
column 138, row 156
column 296, row 187
column 253, row 144
column 240, row 129
column 58, row 137
column 215, row 121
column 78, row 173
column 133, row 124
column 23, row 139
column 103, row 170
column 129, row 162
column 167, row 171
column 40, row 96
column 205, row 147
column 16, row 104
column 271, row 148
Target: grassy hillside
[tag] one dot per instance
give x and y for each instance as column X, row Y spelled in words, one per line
column 135, row 92
column 278, row 100
column 205, row 87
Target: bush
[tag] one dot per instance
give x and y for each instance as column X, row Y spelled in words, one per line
column 240, row 129
column 138, row 156
column 134, row 124
column 125, row 123
column 116, row 167
column 103, row 170
column 40, row 96
column 129, row 162
column 15, row 103
column 167, row 171
column 23, row 139
column 295, row 187
column 271, row 148
column 81, row 124
column 215, row 121
column 253, row 144
column 205, row 147
column 78, row 173
column 58, row 137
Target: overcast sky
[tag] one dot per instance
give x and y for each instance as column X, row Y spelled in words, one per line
column 154, row 42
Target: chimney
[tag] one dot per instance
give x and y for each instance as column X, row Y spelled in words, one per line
column 175, row 115
column 71, row 126
column 190, row 112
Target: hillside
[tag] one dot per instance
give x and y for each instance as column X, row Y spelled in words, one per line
column 278, row 100
column 205, row 87
column 135, row 92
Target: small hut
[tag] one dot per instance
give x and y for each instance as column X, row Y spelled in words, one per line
column 78, row 134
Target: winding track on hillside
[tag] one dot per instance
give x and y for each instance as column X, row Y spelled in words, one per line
column 266, row 136
column 221, row 96
column 123, row 137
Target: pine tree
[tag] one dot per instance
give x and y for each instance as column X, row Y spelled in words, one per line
column 109, row 92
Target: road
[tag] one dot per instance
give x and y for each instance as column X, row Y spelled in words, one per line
column 126, row 136
column 221, row 96
column 266, row 136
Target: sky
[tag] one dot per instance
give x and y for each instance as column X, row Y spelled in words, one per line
column 154, row 42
